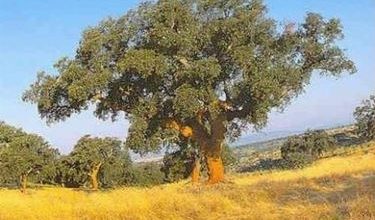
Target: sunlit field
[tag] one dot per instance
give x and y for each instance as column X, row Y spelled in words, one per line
column 341, row 187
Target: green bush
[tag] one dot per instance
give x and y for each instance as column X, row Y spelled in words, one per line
column 299, row 151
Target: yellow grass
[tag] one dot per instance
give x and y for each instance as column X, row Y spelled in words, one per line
column 342, row 187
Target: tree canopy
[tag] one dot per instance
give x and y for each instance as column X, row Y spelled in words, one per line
column 190, row 68
column 23, row 155
column 102, row 161
column 300, row 150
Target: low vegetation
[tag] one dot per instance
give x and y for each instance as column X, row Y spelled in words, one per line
column 341, row 187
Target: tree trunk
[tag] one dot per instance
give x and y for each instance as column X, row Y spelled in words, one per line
column 215, row 169
column 94, row 177
column 195, row 174
column 215, row 165
column 23, row 183
column 210, row 144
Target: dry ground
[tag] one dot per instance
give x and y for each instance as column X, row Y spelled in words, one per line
column 341, row 187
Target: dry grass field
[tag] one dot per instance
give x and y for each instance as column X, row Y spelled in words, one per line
column 341, row 187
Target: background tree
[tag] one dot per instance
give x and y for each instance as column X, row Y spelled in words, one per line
column 49, row 172
column 147, row 174
column 190, row 68
column 69, row 174
column 301, row 150
column 23, row 155
column 101, row 160
column 365, row 119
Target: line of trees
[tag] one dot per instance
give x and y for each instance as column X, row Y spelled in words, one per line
column 93, row 163
column 105, row 162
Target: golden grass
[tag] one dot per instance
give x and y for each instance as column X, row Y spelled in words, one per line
column 342, row 187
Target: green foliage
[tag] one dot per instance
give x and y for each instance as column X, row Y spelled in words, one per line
column 68, row 175
column 115, row 167
column 49, row 172
column 25, row 154
column 147, row 174
column 198, row 62
column 299, row 151
column 365, row 119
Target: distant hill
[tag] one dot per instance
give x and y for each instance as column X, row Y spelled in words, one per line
column 261, row 137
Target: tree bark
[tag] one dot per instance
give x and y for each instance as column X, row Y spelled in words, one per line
column 210, row 144
column 94, row 177
column 213, row 150
column 215, row 165
column 23, row 183
column 195, row 174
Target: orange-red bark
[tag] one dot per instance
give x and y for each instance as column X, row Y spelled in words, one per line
column 215, row 169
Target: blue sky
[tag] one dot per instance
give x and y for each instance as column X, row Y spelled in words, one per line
column 34, row 34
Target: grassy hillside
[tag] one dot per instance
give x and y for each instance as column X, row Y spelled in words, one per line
column 263, row 155
column 341, row 187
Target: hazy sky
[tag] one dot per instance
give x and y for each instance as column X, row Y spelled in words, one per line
column 34, row 34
